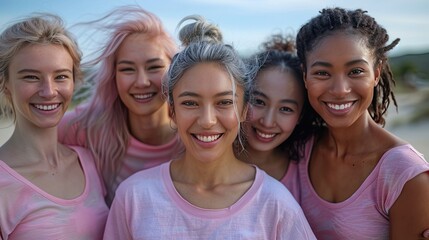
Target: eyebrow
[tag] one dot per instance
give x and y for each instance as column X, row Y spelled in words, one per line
column 37, row 71
column 258, row 93
column 327, row 64
column 148, row 61
column 193, row 94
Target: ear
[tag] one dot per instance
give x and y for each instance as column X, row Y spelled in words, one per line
column 377, row 72
column 304, row 76
column 243, row 115
column 171, row 113
column 6, row 88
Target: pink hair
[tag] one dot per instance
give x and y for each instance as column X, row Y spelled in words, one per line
column 104, row 121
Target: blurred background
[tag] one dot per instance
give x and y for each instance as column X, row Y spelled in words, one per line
column 247, row 23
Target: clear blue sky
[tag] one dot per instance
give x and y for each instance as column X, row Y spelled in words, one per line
column 245, row 23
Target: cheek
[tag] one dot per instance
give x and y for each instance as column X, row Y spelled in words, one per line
column 122, row 84
column 288, row 124
column 68, row 91
column 229, row 119
column 254, row 114
column 156, row 79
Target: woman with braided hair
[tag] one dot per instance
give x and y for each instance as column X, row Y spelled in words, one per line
column 357, row 180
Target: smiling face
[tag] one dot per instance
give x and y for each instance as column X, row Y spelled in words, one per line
column 204, row 112
column 140, row 66
column 340, row 79
column 40, row 84
column 275, row 110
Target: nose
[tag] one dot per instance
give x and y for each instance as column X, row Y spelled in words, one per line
column 268, row 119
column 48, row 88
column 142, row 79
column 207, row 118
column 340, row 86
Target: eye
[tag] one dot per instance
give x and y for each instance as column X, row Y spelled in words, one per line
column 226, row 102
column 62, row 77
column 126, row 69
column 356, row 71
column 156, row 67
column 189, row 103
column 30, row 78
column 258, row 102
column 321, row 73
column 286, row 109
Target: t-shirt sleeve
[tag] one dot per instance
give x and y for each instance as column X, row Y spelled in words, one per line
column 399, row 166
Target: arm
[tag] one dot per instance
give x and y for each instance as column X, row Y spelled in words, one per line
column 409, row 215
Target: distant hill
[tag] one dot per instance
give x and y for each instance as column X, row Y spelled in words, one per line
column 414, row 63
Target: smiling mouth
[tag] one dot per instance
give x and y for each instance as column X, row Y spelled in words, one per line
column 344, row 106
column 143, row 96
column 207, row 139
column 49, row 107
column 264, row 135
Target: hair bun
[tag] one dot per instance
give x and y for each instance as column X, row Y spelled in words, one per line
column 200, row 30
column 279, row 42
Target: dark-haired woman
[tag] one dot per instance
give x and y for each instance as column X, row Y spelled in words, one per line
column 357, row 180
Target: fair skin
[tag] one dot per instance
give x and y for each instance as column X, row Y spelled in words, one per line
column 274, row 113
column 40, row 85
column 340, row 79
column 140, row 66
column 208, row 175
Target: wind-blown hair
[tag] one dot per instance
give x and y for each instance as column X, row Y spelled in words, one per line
column 203, row 43
column 104, row 120
column 354, row 22
column 279, row 52
column 39, row 28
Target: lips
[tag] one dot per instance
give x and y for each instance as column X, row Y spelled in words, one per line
column 143, row 96
column 207, row 138
column 343, row 106
column 265, row 135
column 46, row 107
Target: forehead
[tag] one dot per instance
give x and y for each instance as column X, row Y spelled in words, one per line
column 340, row 46
column 206, row 79
column 140, row 45
column 40, row 56
column 278, row 83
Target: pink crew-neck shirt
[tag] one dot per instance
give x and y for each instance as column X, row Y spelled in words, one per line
column 365, row 215
column 147, row 206
column 138, row 156
column 28, row 212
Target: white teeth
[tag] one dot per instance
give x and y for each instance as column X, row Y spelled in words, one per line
column 208, row 138
column 265, row 135
column 143, row 96
column 46, row 107
column 339, row 106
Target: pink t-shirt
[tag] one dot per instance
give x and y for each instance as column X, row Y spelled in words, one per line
column 27, row 212
column 365, row 215
column 147, row 206
column 139, row 156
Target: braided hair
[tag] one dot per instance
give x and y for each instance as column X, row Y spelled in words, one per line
column 356, row 22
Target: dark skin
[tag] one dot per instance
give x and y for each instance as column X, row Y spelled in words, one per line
column 340, row 88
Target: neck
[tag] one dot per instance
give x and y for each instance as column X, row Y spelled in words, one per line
column 350, row 140
column 154, row 129
column 196, row 172
column 33, row 145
